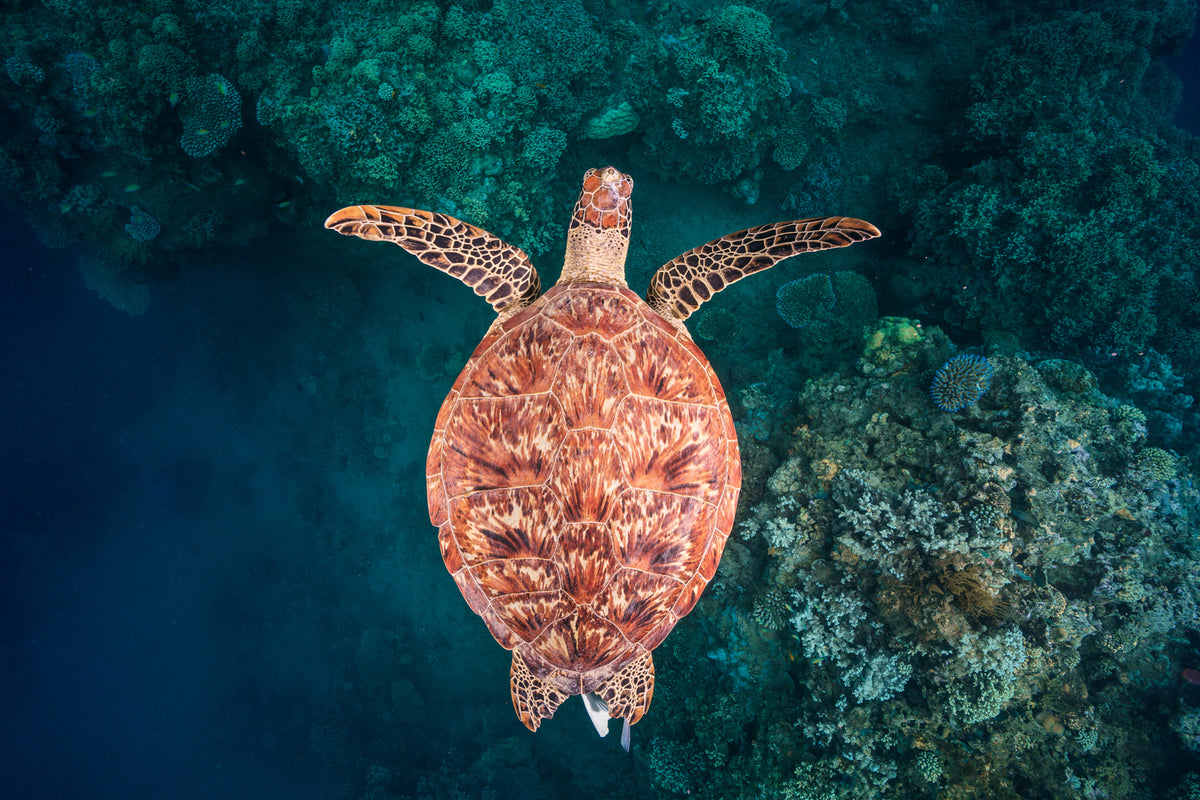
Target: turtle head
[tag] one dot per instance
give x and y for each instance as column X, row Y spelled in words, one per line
column 604, row 202
column 598, row 237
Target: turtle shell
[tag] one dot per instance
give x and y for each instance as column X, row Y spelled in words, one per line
column 583, row 476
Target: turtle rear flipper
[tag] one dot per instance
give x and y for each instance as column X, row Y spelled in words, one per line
column 628, row 693
column 687, row 281
column 496, row 270
column 533, row 698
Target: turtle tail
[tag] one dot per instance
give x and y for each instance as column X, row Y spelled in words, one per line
column 625, row 695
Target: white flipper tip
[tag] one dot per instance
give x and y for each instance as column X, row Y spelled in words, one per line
column 598, row 711
column 625, row 735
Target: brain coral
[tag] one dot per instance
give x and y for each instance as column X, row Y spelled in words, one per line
column 800, row 300
column 142, row 226
column 828, row 307
column 615, row 121
column 960, row 382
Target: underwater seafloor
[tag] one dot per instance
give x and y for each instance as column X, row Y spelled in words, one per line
column 217, row 573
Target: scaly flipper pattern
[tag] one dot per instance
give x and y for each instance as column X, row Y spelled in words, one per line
column 628, row 692
column 687, row 281
column 496, row 270
column 533, row 699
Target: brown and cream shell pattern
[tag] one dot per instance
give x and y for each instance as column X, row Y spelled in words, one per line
column 583, row 475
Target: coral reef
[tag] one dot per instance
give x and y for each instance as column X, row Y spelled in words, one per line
column 979, row 600
column 1071, row 212
column 1020, row 207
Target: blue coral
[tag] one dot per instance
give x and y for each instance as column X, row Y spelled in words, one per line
column 142, row 226
column 960, row 382
column 211, row 114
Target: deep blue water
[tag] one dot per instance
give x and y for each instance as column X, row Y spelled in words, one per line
column 1187, row 66
column 189, row 561
column 117, row 543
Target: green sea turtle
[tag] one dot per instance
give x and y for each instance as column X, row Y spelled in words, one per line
column 584, row 472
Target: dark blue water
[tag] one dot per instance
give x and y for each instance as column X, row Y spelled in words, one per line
column 120, row 538
column 210, row 587
column 1187, row 66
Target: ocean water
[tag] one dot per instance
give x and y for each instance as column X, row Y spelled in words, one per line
column 217, row 572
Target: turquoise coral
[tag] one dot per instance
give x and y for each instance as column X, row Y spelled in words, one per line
column 142, row 226
column 717, row 324
column 828, row 307
column 1159, row 464
column 799, row 301
column 928, row 766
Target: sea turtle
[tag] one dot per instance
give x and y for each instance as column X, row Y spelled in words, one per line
column 584, row 472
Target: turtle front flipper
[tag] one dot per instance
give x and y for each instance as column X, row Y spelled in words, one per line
column 686, row 282
column 496, row 270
